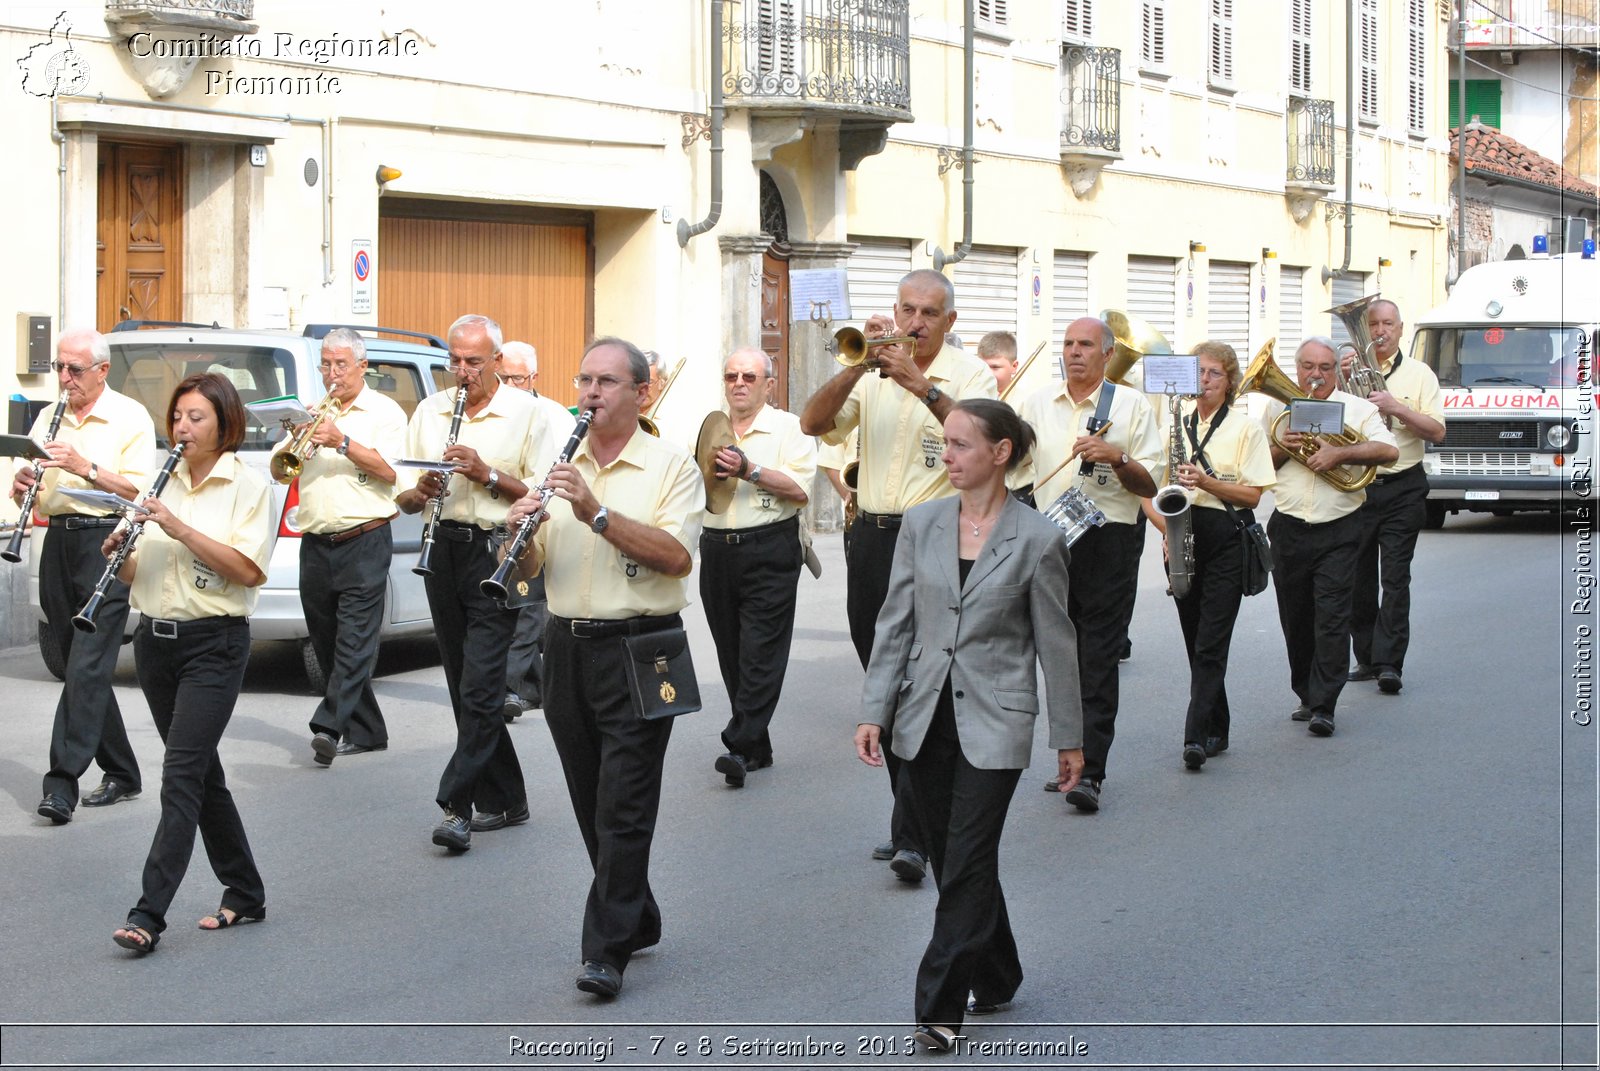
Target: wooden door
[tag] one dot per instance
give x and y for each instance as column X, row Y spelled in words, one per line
column 139, row 240
column 775, row 316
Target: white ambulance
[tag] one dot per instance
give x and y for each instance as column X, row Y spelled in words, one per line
column 1513, row 349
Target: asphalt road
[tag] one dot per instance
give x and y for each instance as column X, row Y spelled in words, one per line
column 1419, row 889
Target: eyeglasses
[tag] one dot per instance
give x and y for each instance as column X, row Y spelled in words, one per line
column 338, row 368
column 76, row 371
column 1213, row 373
column 584, row 382
column 740, row 377
column 466, row 362
column 516, row 381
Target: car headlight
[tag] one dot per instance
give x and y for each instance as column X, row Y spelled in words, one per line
column 1557, row 436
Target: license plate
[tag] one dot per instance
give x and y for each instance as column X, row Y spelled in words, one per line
column 1482, row 496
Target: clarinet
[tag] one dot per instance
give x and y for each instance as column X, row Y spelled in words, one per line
column 13, row 551
column 495, row 586
column 84, row 622
column 423, row 568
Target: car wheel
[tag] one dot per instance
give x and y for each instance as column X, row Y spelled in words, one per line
column 316, row 676
column 1435, row 518
column 51, row 654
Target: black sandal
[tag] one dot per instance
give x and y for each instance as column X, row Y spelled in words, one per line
column 137, row 938
column 219, row 916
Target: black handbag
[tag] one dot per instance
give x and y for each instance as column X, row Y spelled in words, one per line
column 661, row 674
column 1257, row 553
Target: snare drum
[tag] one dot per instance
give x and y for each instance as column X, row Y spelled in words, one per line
column 1074, row 514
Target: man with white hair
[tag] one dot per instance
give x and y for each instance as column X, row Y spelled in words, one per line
column 105, row 441
column 519, row 367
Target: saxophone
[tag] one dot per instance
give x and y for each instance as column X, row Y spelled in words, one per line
column 1173, row 503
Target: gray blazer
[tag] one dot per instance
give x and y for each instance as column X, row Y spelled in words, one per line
column 985, row 638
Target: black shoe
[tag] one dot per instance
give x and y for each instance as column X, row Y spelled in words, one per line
column 108, row 793
column 936, row 1038
column 347, row 748
column 56, row 809
column 733, row 768
column 1053, row 785
column 1389, row 682
column 454, row 832
column 1321, row 725
column 884, row 851
column 601, row 979
column 1360, row 672
column 1127, row 651
column 1085, row 796
column 909, row 865
column 515, row 816
column 982, row 1006
column 324, row 746
column 515, row 707
column 1300, row 713
column 1215, row 746
column 1194, row 756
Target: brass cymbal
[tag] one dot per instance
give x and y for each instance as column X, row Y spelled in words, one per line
column 716, row 431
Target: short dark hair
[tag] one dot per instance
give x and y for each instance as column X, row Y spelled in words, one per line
column 638, row 363
column 998, row 421
column 225, row 401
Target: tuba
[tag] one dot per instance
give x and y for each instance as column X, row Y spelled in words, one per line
column 1365, row 376
column 1265, row 377
column 287, row 463
column 1132, row 338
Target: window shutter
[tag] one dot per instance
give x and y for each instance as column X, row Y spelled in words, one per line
column 1417, row 66
column 1077, row 19
column 1483, row 100
column 1300, row 46
column 1369, row 60
column 1222, row 40
column 1153, row 47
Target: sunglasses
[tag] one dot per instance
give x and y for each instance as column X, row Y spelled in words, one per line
column 738, row 377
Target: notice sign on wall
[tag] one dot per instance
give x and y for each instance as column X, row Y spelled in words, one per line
column 363, row 276
column 819, row 294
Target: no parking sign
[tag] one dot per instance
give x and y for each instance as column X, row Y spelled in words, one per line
column 363, row 274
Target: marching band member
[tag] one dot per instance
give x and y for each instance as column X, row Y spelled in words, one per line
column 1124, row 462
column 900, row 412
column 1316, row 536
column 105, row 440
column 194, row 575
column 750, row 558
column 1396, row 506
column 347, row 493
column 499, row 437
column 1228, row 463
column 616, row 550
column 998, row 350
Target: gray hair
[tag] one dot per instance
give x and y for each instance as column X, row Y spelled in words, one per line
column 488, row 326
column 638, row 363
column 524, row 351
column 1317, row 340
column 929, row 277
column 1108, row 338
column 654, row 360
column 99, row 348
column 771, row 365
column 343, row 338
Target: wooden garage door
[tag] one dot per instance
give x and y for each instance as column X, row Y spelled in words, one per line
column 535, row 277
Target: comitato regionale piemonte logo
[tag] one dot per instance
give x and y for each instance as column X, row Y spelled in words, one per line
column 52, row 67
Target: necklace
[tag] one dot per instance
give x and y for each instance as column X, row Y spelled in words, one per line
column 978, row 526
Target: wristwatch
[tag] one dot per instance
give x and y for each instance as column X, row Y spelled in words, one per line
column 933, row 395
column 755, row 474
column 1119, row 462
column 94, row 474
column 602, row 518
column 344, row 447
column 491, row 483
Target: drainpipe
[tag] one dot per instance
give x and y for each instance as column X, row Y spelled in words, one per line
column 1349, row 136
column 940, row 257
column 61, row 211
column 1461, row 144
column 685, row 231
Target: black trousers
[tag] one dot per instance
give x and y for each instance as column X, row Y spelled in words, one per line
column 1103, row 579
column 191, row 682
column 1392, row 517
column 612, row 760
column 1312, row 567
column 88, row 726
column 1207, row 615
column 342, row 590
column 871, row 558
column 473, row 633
column 962, row 810
column 525, row 661
column 749, row 589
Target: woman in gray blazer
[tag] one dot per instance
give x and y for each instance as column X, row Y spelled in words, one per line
column 977, row 599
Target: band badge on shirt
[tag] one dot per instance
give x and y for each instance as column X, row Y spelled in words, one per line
column 932, row 449
column 204, row 575
column 629, row 566
column 361, row 478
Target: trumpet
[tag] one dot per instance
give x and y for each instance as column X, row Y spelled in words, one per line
column 495, row 587
column 424, row 566
column 851, row 348
column 13, row 551
column 1265, row 377
column 288, row 463
column 84, row 622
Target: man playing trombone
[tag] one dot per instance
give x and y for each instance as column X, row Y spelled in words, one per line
column 105, row 441
column 1316, row 532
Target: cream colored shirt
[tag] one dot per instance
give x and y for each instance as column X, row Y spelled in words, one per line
column 508, row 434
column 233, row 505
column 1417, row 386
column 1303, row 494
column 653, row 482
column 117, row 434
column 902, row 442
column 559, row 422
column 1237, row 451
column 335, row 495
column 1059, row 422
column 774, row 442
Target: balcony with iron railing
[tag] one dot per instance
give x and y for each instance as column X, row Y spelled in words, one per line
column 1091, row 126
column 1309, row 149
column 848, row 57
column 1517, row 25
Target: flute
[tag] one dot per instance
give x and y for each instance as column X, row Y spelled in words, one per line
column 13, row 551
column 423, row 568
column 495, row 586
column 84, row 622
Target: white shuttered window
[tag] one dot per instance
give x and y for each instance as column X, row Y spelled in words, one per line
column 874, row 273
column 1300, row 46
column 1221, row 69
column 1228, row 305
column 1346, row 288
column 986, row 294
column 1069, row 300
column 1077, row 20
column 1153, row 293
column 1291, row 314
column 1153, row 30
column 1368, row 107
column 1417, row 67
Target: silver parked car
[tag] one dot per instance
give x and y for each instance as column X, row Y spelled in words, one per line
column 147, row 362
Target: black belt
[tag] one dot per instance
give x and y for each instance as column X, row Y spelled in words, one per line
column 1396, row 477
column 350, row 533
column 457, row 532
column 878, row 520
column 628, row 626
column 748, row 535
column 163, row 629
column 74, row 521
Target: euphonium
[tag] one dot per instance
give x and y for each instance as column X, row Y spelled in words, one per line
column 1265, row 377
column 13, row 551
column 1132, row 338
column 287, row 463
column 1365, row 376
column 1173, row 503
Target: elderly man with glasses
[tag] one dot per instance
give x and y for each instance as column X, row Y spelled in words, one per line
column 105, row 441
